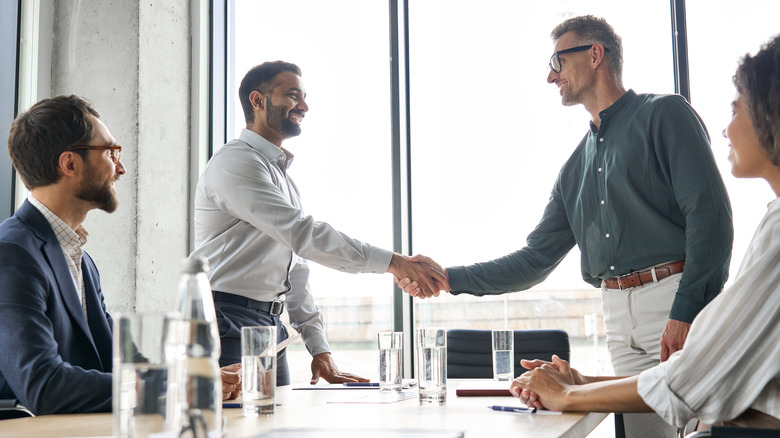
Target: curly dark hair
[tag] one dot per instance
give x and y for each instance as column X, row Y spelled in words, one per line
column 261, row 78
column 758, row 79
column 41, row 134
column 590, row 30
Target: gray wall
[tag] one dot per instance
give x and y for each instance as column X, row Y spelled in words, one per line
column 132, row 60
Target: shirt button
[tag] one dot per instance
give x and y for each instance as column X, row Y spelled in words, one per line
column 607, row 235
column 601, row 140
column 602, row 202
column 611, row 268
column 599, row 170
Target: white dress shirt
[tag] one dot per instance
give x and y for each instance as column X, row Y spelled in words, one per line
column 250, row 226
column 731, row 359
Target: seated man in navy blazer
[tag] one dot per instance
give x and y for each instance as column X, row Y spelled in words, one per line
column 55, row 332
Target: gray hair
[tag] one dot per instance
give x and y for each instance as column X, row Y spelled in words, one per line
column 591, row 30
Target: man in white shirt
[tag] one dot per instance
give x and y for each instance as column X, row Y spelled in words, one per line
column 250, row 225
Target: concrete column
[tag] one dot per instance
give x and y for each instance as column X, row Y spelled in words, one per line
column 132, row 60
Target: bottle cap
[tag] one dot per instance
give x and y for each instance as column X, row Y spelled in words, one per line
column 195, row 265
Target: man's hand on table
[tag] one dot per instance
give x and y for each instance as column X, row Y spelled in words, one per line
column 322, row 365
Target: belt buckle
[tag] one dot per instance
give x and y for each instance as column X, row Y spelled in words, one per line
column 630, row 274
column 277, row 307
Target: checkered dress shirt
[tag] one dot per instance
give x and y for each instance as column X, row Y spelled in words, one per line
column 71, row 242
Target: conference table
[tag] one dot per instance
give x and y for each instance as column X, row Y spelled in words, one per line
column 304, row 412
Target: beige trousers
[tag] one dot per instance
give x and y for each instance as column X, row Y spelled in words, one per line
column 634, row 320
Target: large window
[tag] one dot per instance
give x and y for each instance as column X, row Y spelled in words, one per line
column 489, row 137
column 342, row 158
column 718, row 35
column 486, row 135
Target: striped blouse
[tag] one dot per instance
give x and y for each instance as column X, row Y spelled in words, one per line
column 731, row 359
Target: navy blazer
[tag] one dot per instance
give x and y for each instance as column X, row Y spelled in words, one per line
column 51, row 358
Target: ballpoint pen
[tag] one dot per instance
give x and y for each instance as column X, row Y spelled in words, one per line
column 406, row 385
column 513, row 409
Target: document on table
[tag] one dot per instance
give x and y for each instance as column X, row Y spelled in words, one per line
column 381, row 397
column 360, row 433
column 323, row 386
column 361, row 385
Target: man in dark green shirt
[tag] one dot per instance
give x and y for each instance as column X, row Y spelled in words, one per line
column 641, row 196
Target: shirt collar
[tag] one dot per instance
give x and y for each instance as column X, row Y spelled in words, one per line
column 627, row 97
column 67, row 237
column 279, row 155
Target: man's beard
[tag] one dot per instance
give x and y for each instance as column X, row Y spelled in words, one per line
column 275, row 116
column 574, row 97
column 102, row 195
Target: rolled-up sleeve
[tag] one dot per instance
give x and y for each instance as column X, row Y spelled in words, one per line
column 730, row 361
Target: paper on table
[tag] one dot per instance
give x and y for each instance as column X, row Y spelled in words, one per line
column 382, row 397
column 321, row 386
column 360, row 433
column 407, row 384
column 543, row 412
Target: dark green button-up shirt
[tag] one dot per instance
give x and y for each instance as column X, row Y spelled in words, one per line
column 641, row 190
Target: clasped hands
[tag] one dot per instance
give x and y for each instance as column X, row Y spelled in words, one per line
column 545, row 384
column 419, row 276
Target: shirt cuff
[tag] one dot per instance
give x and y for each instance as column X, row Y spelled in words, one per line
column 656, row 393
column 456, row 277
column 316, row 344
column 685, row 309
column 378, row 261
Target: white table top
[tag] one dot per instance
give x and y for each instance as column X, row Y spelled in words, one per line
column 328, row 410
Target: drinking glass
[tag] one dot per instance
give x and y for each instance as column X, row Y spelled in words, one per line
column 258, row 368
column 432, row 365
column 390, row 360
column 503, row 355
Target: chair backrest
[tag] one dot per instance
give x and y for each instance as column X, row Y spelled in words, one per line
column 470, row 352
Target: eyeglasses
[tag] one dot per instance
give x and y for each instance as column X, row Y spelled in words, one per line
column 116, row 150
column 555, row 60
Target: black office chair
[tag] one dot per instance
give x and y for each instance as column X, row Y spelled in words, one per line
column 734, row 432
column 11, row 408
column 470, row 352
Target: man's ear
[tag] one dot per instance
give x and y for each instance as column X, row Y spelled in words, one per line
column 597, row 55
column 257, row 100
column 69, row 163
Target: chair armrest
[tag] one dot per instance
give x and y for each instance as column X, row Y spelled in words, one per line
column 12, row 404
column 734, row 432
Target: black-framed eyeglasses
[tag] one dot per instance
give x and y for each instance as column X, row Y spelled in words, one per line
column 116, row 150
column 555, row 61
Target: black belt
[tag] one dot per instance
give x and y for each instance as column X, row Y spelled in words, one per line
column 273, row 308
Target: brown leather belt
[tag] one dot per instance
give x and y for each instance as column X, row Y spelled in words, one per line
column 638, row 278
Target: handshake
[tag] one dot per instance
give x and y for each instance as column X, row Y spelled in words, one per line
column 419, row 276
